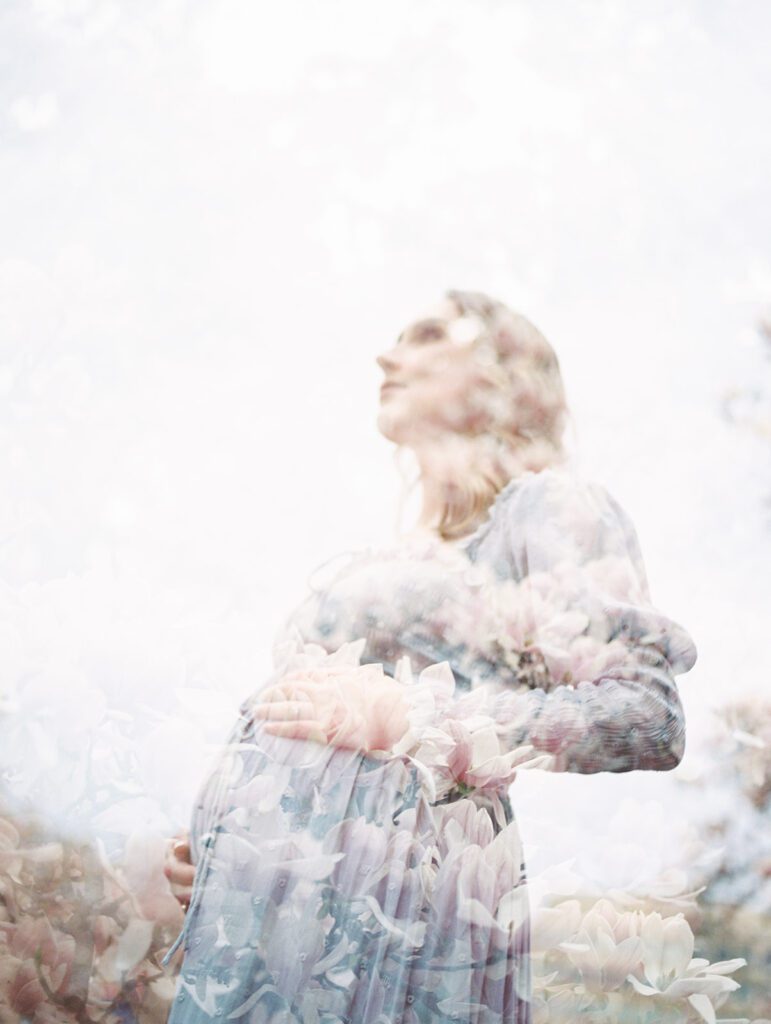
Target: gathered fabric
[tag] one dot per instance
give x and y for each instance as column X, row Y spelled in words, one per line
column 336, row 885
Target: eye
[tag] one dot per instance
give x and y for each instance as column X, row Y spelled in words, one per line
column 428, row 330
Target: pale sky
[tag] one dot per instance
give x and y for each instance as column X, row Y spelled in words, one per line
column 214, row 216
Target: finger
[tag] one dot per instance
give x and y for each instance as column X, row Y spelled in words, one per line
column 181, row 849
column 180, row 871
column 288, row 710
column 347, row 732
column 182, row 896
column 282, row 692
column 179, row 874
column 311, row 677
column 271, row 693
column 315, row 675
column 315, row 731
column 300, row 730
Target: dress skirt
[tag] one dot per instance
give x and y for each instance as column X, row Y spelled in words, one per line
column 329, row 890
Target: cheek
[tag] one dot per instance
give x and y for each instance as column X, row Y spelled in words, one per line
column 459, row 397
column 448, row 392
column 416, row 412
column 395, row 416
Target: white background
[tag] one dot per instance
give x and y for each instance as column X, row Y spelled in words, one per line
column 215, row 214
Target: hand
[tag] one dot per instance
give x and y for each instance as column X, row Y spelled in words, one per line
column 360, row 708
column 179, row 868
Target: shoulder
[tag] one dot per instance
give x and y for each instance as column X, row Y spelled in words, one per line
column 553, row 507
column 555, row 513
column 526, row 500
column 555, row 492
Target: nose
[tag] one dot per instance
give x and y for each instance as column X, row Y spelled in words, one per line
column 388, row 361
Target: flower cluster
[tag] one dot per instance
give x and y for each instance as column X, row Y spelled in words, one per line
column 80, row 936
column 734, row 768
column 599, row 963
column 466, row 754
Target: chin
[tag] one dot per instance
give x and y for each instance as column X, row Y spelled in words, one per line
column 393, row 427
column 386, row 426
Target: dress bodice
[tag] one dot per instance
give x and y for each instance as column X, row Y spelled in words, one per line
column 403, row 601
column 420, row 597
column 546, row 607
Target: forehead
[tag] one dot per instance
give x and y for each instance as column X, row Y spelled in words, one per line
column 443, row 310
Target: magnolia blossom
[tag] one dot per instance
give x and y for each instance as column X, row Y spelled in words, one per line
column 66, row 906
column 606, row 947
column 480, row 872
column 465, row 753
column 312, row 861
column 625, row 963
column 667, row 968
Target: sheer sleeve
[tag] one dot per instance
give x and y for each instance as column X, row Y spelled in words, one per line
column 581, row 665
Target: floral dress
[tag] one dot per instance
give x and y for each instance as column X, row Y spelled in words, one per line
column 389, row 887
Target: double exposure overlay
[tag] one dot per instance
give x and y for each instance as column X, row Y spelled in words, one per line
column 353, row 854
column 391, row 884
column 385, row 408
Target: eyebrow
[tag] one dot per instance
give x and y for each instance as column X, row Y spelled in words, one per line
column 431, row 320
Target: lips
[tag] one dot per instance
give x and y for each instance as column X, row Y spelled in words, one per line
column 389, row 386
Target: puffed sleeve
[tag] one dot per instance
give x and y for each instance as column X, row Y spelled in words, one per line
column 581, row 663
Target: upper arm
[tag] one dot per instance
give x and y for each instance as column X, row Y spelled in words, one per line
column 574, row 534
column 611, row 655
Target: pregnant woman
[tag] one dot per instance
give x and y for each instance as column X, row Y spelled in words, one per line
column 356, row 854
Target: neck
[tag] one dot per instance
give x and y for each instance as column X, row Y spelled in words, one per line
column 439, row 471
column 432, row 504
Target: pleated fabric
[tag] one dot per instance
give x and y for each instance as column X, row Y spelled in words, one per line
column 389, row 888
column 329, row 889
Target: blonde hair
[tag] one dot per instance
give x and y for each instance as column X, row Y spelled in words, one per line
column 522, row 413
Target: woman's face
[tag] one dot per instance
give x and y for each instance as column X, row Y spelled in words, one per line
column 434, row 379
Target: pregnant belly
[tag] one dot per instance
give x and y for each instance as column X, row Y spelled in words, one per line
column 321, row 867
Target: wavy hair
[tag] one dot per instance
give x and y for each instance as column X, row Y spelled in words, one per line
column 522, row 410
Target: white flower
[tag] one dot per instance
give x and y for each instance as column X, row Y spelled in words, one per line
column 464, row 330
column 606, row 948
column 668, row 970
column 454, row 741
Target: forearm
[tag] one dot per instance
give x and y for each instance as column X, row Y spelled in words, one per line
column 612, row 724
column 631, row 720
